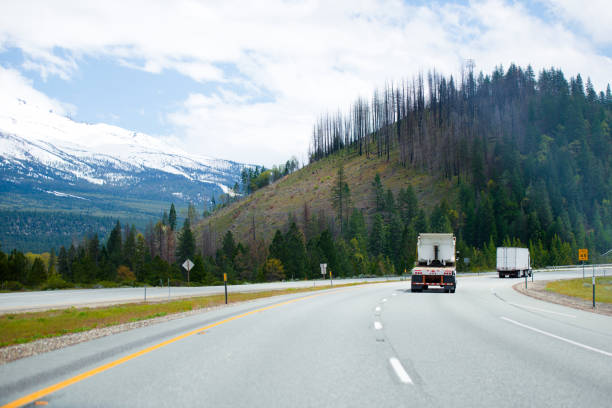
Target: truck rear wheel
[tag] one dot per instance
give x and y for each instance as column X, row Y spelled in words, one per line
column 501, row 275
column 452, row 290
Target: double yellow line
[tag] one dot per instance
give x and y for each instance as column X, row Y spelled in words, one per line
column 63, row 384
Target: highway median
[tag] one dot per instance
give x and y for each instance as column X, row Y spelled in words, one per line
column 22, row 328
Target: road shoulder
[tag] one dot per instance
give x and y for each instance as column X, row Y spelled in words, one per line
column 538, row 291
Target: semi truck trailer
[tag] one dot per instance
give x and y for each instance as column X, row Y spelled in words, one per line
column 435, row 264
column 513, row 262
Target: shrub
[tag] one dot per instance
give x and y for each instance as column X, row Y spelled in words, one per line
column 12, row 285
column 55, row 281
column 124, row 274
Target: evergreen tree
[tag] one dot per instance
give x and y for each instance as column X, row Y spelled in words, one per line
column 172, row 217
column 377, row 235
column 37, row 273
column 63, row 266
column 186, row 243
column 140, row 258
column 93, row 248
column 114, row 246
column 357, row 227
column 341, row 196
column 277, row 247
column 129, row 247
column 379, row 193
column 17, row 267
column 408, row 204
column 294, row 260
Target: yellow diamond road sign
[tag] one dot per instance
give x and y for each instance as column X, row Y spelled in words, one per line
column 583, row 254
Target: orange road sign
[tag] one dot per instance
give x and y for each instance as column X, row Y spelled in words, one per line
column 583, row 254
column 225, row 277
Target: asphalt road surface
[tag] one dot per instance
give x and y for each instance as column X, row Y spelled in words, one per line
column 41, row 300
column 376, row 345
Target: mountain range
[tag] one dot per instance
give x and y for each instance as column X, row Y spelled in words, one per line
column 49, row 163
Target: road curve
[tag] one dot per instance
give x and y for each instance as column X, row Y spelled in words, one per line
column 58, row 299
column 372, row 345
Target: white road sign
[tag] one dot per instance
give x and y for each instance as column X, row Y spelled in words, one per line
column 323, row 268
column 188, row 264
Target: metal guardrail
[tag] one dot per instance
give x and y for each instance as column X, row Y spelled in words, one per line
column 578, row 266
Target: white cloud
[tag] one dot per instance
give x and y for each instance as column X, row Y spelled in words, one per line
column 299, row 57
column 14, row 85
column 593, row 16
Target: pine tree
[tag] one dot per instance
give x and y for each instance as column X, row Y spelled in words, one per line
column 114, row 245
column 294, row 260
column 37, row 273
column 140, row 255
column 277, row 247
column 341, row 196
column 379, row 193
column 186, row 243
column 377, row 236
column 172, row 217
column 63, row 267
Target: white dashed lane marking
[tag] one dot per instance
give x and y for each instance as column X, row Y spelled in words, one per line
column 400, row 371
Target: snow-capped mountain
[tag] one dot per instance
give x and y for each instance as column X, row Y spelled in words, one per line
column 47, row 154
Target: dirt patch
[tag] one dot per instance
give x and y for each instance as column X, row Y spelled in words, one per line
column 538, row 290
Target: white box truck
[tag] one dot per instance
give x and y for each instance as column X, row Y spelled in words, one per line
column 435, row 263
column 513, row 262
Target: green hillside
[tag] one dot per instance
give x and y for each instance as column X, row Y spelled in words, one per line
column 499, row 159
column 311, row 187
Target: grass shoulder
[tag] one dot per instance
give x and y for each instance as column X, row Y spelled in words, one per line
column 19, row 328
column 582, row 288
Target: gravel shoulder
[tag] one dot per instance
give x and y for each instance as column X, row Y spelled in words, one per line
column 538, row 290
column 18, row 351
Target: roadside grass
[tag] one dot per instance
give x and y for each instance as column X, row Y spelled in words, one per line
column 18, row 328
column 582, row 288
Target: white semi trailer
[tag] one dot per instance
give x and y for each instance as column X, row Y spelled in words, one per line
column 435, row 263
column 513, row 262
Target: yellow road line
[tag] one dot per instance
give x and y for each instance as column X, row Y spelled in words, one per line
column 63, row 384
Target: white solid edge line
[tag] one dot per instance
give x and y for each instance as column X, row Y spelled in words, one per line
column 377, row 325
column 399, row 371
column 377, row 308
column 394, row 294
column 575, row 343
column 542, row 310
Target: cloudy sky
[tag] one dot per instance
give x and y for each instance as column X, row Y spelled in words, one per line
column 244, row 80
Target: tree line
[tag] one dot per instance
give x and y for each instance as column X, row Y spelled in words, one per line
column 530, row 158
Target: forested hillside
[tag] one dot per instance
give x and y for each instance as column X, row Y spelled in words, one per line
column 531, row 158
column 497, row 159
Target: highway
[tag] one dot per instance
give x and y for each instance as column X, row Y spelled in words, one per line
column 58, row 299
column 373, row 345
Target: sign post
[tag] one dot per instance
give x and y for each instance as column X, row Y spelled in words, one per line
column 593, row 286
column 188, row 265
column 583, row 255
column 324, row 271
column 225, row 282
